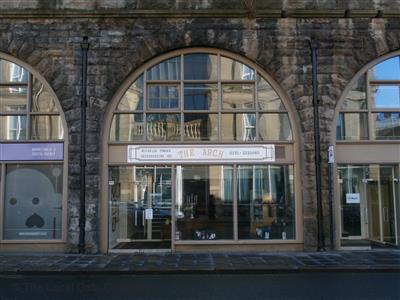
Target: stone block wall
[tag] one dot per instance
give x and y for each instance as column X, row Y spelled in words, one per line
column 118, row 46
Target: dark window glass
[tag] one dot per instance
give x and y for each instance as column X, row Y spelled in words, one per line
column 266, row 207
column 201, row 97
column 352, row 126
column 163, row 97
column 204, row 209
column 200, row 67
column 167, row 70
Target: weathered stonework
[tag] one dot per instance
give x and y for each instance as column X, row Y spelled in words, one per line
column 118, row 46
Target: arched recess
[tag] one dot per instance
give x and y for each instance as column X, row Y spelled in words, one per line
column 197, row 108
column 33, row 161
column 367, row 156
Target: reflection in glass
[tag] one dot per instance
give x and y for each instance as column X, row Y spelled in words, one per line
column 356, row 97
column 13, row 99
column 386, row 70
column 13, row 127
column 200, row 67
column 163, row 97
column 266, row 207
column 237, row 96
column 352, row 126
column 135, row 191
column 33, row 210
column 12, row 73
column 268, row 99
column 204, row 211
column 163, row 127
column 127, row 127
column 42, row 100
column 201, row 97
column 386, row 125
column 274, row 126
column 46, row 128
column 167, row 70
column 238, row 127
column 350, row 182
column 385, row 96
column 234, row 70
column 201, row 127
column 133, row 98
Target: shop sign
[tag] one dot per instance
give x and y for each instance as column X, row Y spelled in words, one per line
column 352, row 198
column 200, row 153
column 31, row 151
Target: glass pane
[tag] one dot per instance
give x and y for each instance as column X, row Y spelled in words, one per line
column 12, row 127
column 352, row 126
column 385, row 96
column 42, row 100
column 204, row 209
column 234, row 70
column 266, row 207
column 386, row 70
column 352, row 193
column 167, row 70
column 201, row 127
column 268, row 99
column 12, row 73
column 237, row 96
column 46, row 128
column 356, row 97
column 163, row 127
column 200, row 67
column 238, row 127
column 13, row 99
column 135, row 191
column 387, row 180
column 274, row 127
column 33, row 210
column 133, row 97
column 201, row 97
column 163, row 97
column 386, row 125
column 127, row 127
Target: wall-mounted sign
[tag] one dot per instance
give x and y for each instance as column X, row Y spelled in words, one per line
column 148, row 213
column 200, row 153
column 352, row 198
column 31, row 151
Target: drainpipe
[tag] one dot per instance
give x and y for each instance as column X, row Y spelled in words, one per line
column 331, row 161
column 82, row 210
column 321, row 238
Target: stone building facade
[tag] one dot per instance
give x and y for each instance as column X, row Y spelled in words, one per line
column 124, row 35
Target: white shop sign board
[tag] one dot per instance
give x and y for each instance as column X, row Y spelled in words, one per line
column 148, row 213
column 200, row 153
column 352, row 198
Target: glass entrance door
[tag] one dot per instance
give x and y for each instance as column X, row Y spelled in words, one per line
column 140, row 207
column 368, row 202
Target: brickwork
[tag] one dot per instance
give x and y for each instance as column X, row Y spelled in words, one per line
column 118, row 46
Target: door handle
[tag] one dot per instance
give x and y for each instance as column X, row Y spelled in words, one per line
column 135, row 217
column 143, row 218
column 366, row 215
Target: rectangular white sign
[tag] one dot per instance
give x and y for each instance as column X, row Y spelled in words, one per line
column 352, row 198
column 148, row 213
column 200, row 153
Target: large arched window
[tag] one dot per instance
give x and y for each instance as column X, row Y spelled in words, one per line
column 371, row 109
column 187, row 146
column 368, row 156
column 32, row 177
column 200, row 98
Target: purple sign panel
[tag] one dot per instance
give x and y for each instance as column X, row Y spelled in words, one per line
column 31, row 151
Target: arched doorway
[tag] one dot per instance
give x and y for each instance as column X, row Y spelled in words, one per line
column 200, row 153
column 33, row 161
column 368, row 156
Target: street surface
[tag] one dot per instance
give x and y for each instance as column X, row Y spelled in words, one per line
column 311, row 285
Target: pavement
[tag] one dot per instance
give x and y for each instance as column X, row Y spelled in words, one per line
column 195, row 263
